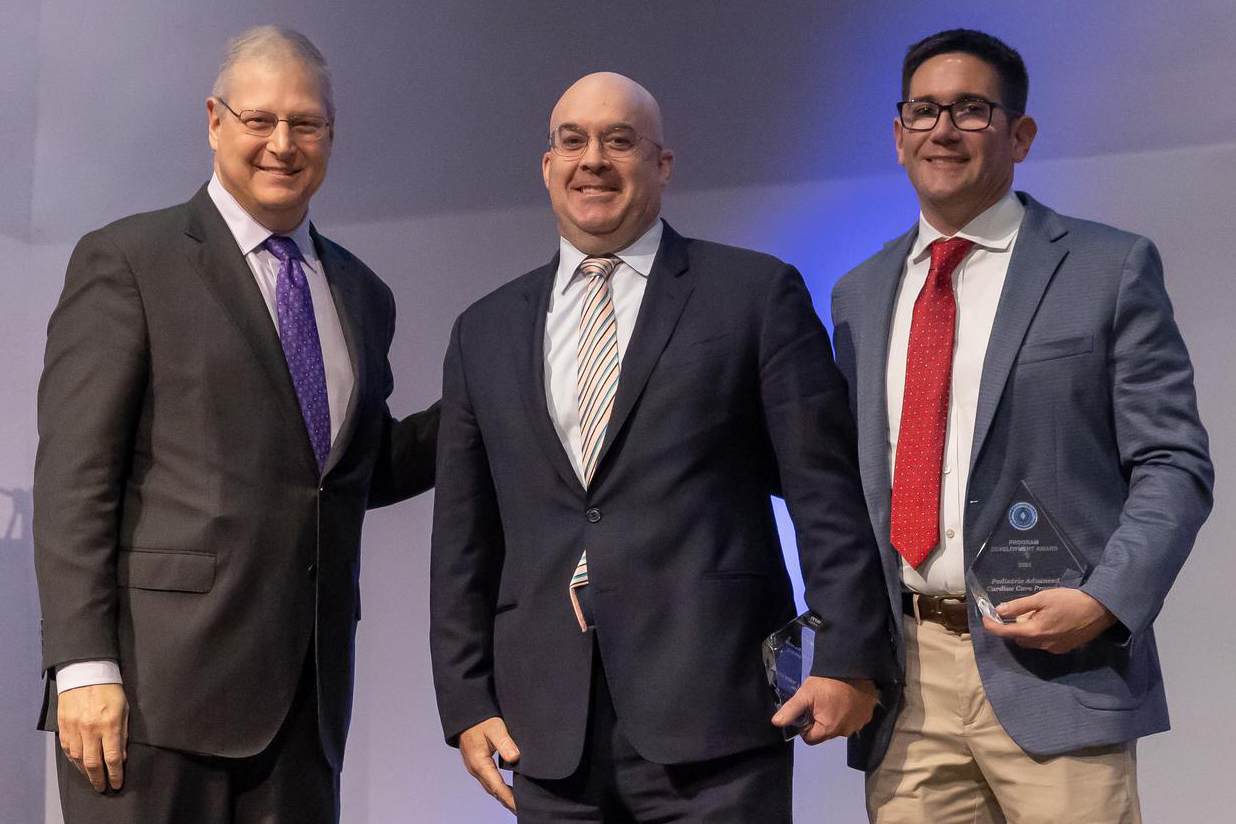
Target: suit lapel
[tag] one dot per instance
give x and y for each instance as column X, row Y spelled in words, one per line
column 670, row 283
column 530, row 328
column 669, row 286
column 218, row 262
column 872, row 394
column 350, row 309
column 1036, row 256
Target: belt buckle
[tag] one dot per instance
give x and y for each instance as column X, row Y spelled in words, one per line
column 946, row 619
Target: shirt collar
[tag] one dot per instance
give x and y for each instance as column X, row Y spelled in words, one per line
column 249, row 234
column 993, row 229
column 639, row 255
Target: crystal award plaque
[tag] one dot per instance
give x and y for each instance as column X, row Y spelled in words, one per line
column 788, row 655
column 1024, row 554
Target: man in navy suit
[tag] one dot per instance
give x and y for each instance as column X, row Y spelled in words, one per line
column 605, row 558
column 998, row 341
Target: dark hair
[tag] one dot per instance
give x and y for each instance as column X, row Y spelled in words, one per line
column 1014, row 81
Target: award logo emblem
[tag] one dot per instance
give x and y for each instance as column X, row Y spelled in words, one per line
column 1023, row 516
column 1024, row 554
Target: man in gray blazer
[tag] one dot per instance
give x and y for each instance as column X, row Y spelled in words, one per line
column 998, row 341
column 213, row 425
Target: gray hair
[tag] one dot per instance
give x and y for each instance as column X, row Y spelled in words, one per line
column 265, row 42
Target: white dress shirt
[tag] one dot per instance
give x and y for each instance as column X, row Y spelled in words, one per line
column 250, row 235
column 566, row 303
column 977, row 283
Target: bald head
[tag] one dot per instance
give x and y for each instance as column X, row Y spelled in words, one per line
column 615, row 93
column 607, row 164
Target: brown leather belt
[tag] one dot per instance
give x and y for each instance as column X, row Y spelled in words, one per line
column 949, row 612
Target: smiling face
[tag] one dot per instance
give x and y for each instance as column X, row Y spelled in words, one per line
column 272, row 177
column 957, row 174
column 604, row 204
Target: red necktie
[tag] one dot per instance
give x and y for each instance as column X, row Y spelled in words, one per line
column 924, row 408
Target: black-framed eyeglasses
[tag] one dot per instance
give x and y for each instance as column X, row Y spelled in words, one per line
column 616, row 142
column 970, row 114
column 263, row 124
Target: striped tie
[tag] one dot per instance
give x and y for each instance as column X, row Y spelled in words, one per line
column 596, row 383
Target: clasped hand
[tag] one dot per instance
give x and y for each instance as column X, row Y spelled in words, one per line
column 1056, row 620
column 835, row 707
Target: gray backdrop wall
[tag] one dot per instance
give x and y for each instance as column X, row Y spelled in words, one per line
column 781, row 117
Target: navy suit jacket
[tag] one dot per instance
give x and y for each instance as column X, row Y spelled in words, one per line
column 1086, row 394
column 728, row 393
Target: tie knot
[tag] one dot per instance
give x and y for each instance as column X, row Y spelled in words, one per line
column 946, row 254
column 602, row 266
column 283, row 248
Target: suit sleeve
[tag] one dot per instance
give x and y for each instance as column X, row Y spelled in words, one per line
column 408, row 449
column 405, row 466
column 844, row 345
column 89, row 403
column 809, row 424
column 466, row 559
column 1163, row 448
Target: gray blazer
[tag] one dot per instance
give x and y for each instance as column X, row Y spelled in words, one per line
column 1087, row 394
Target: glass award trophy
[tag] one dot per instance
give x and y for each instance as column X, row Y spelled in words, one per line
column 1024, row 554
column 788, row 655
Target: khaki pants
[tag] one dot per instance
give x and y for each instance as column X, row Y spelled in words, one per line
column 950, row 761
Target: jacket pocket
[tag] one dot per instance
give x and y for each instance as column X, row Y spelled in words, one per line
column 168, row 570
column 718, row 346
column 1107, row 694
column 734, row 574
column 1109, row 676
column 1053, row 349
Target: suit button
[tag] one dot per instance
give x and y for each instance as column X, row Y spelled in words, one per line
column 312, row 570
column 593, row 515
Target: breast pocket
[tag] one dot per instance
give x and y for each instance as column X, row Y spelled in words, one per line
column 696, row 352
column 1055, row 348
column 167, row 570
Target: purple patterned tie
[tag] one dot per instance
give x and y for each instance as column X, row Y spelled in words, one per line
column 298, row 331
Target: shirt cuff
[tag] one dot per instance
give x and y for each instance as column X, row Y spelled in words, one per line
column 86, row 673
